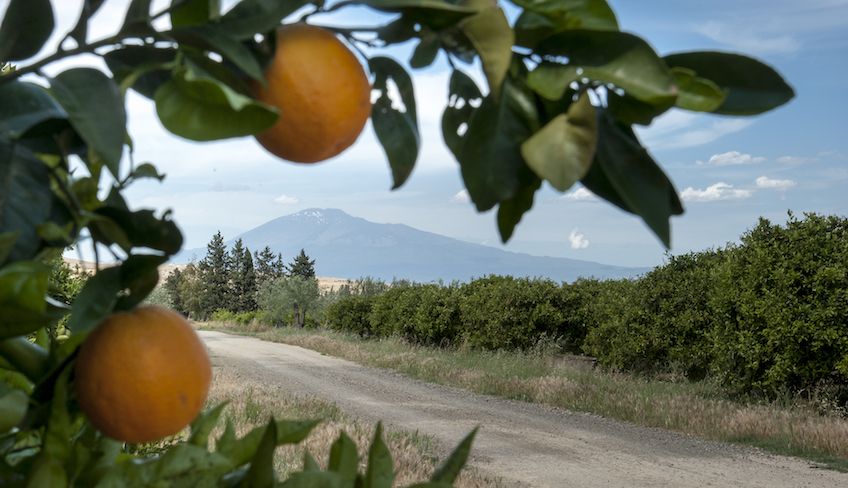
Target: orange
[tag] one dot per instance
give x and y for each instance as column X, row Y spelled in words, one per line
column 142, row 375
column 321, row 91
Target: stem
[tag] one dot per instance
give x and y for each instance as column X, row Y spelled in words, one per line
column 30, row 359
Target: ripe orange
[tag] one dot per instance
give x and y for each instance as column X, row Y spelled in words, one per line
column 142, row 375
column 322, row 92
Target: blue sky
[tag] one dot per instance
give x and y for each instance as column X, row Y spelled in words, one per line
column 729, row 171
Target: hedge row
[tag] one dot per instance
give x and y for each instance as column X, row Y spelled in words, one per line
column 490, row 313
column 769, row 314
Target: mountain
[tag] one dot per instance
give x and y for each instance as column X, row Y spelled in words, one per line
column 350, row 247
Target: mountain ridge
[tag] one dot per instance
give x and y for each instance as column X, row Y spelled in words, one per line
column 347, row 246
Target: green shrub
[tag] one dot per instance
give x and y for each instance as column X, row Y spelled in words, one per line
column 393, row 311
column 500, row 312
column 436, row 320
column 781, row 307
column 227, row 316
column 661, row 322
column 351, row 314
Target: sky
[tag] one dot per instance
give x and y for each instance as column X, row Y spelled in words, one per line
column 729, row 171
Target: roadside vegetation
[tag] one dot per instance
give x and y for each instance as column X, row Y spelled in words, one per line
column 747, row 343
column 250, row 403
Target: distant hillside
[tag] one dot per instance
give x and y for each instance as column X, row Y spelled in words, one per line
column 350, row 247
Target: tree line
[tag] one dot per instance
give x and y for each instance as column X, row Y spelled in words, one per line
column 238, row 281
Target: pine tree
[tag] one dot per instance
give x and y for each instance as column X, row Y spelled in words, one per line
column 234, row 262
column 279, row 268
column 244, row 284
column 214, row 277
column 302, row 266
column 172, row 288
column 264, row 265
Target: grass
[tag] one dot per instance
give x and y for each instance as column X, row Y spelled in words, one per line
column 251, row 403
column 700, row 409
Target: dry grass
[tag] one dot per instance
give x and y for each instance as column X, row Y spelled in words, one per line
column 699, row 409
column 251, row 403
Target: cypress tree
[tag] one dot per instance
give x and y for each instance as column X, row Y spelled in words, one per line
column 265, row 266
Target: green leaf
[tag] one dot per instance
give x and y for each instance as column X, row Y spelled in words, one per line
column 490, row 156
column 696, row 93
column 512, row 209
column 25, row 198
column 562, row 151
column 95, row 108
column 139, row 276
column 25, row 28
column 380, row 472
column 24, row 283
column 80, row 31
column 551, row 80
column 116, row 224
column 24, row 105
column 146, row 67
column 95, row 302
column 435, row 14
column 397, row 131
column 249, row 17
column 26, row 357
column 315, row 479
column 195, row 12
column 242, row 450
column 344, row 458
column 261, row 472
column 203, row 109
column 13, row 407
column 492, row 38
column 573, row 14
column 147, row 170
column 137, row 13
column 752, row 86
column 425, row 52
column 631, row 179
column 450, row 468
column 397, row 31
column 619, row 58
column 309, row 462
column 55, row 448
column 7, row 243
column 629, row 110
column 463, row 94
column 212, row 39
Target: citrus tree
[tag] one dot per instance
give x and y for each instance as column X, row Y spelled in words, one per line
column 563, row 89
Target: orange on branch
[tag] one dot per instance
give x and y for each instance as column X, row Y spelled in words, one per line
column 321, row 91
column 142, row 375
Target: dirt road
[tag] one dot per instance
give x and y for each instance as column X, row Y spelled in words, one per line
column 521, row 443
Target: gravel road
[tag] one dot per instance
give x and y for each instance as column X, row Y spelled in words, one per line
column 523, row 444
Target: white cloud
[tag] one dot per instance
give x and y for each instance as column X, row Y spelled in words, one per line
column 580, row 194
column 795, row 160
column 461, row 197
column 678, row 129
column 578, row 240
column 714, row 193
column 733, row 158
column 747, row 39
column 287, row 200
column 766, row 182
